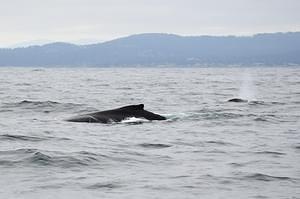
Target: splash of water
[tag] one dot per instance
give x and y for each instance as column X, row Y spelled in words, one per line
column 133, row 120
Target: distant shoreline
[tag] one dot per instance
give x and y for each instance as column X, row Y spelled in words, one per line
column 163, row 50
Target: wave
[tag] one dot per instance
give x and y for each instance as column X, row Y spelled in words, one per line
column 270, row 118
column 269, row 153
column 17, row 138
column 222, row 143
column 45, row 106
column 103, row 186
column 261, row 119
column 205, row 115
column 297, row 147
column 35, row 157
column 154, row 146
column 20, row 138
column 255, row 102
column 36, row 103
column 222, row 115
column 252, row 177
column 264, row 177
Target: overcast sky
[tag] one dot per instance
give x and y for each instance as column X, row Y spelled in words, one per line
column 84, row 21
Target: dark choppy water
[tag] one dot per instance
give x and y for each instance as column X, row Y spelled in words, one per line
column 208, row 148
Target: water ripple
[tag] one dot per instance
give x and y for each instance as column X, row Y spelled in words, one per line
column 103, row 186
column 269, row 153
column 223, row 143
column 45, row 106
column 265, row 177
column 28, row 156
column 154, row 146
column 21, row 138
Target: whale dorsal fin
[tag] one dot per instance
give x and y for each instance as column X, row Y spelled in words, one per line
column 133, row 107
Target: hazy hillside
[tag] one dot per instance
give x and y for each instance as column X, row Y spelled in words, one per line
column 162, row 49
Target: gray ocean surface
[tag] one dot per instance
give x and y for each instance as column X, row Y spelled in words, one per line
column 207, row 148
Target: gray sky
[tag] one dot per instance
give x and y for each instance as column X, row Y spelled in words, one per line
column 84, row 21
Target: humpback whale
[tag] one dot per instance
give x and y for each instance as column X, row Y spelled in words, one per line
column 117, row 115
column 237, row 100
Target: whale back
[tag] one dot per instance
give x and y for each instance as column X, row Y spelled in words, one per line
column 117, row 115
column 237, row 100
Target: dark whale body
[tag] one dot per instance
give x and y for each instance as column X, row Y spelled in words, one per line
column 237, row 100
column 117, row 115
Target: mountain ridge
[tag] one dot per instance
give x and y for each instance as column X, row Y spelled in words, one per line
column 150, row 49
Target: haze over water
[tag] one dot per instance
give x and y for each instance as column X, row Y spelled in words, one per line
column 208, row 147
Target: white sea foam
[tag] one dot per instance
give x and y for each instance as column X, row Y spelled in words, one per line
column 134, row 120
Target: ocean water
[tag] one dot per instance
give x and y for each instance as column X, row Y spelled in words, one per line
column 207, row 148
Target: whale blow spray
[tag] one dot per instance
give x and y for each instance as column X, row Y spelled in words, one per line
column 247, row 90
